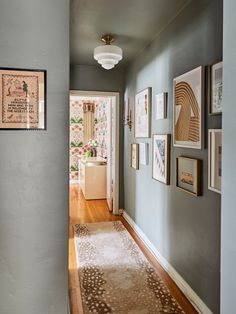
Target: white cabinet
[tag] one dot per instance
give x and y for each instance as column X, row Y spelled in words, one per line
column 93, row 178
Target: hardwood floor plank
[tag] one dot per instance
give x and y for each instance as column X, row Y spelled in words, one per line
column 82, row 211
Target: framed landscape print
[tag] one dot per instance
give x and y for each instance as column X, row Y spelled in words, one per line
column 216, row 91
column 135, row 156
column 161, row 158
column 161, row 106
column 22, row 99
column 143, row 153
column 188, row 172
column 215, row 160
column 142, row 113
column 187, row 110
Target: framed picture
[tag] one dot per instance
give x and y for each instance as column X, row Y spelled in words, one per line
column 216, row 90
column 188, row 109
column 161, row 158
column 161, row 106
column 188, row 172
column 22, row 99
column 142, row 112
column 143, row 154
column 135, row 156
column 215, row 160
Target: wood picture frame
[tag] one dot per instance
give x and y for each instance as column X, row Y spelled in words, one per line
column 134, row 159
column 161, row 158
column 188, row 111
column 215, row 88
column 161, row 106
column 23, row 99
column 215, row 160
column 142, row 113
column 188, row 175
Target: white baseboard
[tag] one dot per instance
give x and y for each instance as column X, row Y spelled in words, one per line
column 199, row 305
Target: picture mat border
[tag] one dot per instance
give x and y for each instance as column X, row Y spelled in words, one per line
column 202, row 121
column 209, row 80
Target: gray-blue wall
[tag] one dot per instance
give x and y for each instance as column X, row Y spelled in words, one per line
column 228, row 224
column 34, row 165
column 185, row 229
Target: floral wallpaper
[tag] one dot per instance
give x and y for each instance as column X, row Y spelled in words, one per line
column 76, row 136
column 100, row 127
column 77, row 130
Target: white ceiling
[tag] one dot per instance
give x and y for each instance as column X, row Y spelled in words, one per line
column 134, row 24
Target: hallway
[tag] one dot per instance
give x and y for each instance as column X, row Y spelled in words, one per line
column 82, row 211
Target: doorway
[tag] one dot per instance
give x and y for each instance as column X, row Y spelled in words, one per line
column 94, row 145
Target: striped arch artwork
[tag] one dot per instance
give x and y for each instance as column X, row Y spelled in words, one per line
column 188, row 96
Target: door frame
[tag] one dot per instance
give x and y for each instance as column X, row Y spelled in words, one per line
column 116, row 162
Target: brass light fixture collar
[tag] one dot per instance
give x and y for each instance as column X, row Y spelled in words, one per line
column 108, row 39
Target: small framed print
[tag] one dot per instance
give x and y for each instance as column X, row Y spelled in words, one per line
column 135, row 156
column 188, row 109
column 216, row 90
column 161, row 158
column 142, row 113
column 188, row 172
column 143, row 154
column 215, row 160
column 22, row 99
column 161, row 106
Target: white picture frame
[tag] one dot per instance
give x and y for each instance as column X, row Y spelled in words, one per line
column 161, row 106
column 143, row 154
column 142, row 114
column 188, row 98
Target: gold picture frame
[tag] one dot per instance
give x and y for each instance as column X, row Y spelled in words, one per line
column 134, row 159
column 188, row 175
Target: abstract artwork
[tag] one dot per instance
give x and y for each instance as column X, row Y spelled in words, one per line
column 22, row 99
column 188, row 100
column 135, row 156
column 215, row 160
column 142, row 113
column 161, row 158
column 161, row 106
column 216, row 88
column 188, row 175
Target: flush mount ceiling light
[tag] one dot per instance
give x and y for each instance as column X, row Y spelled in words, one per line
column 107, row 55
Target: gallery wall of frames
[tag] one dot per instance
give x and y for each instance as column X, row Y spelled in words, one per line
column 192, row 91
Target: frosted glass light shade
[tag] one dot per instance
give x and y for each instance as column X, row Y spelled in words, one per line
column 108, row 56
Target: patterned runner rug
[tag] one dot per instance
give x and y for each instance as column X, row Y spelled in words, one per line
column 115, row 276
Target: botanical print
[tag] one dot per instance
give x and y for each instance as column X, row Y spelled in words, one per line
column 142, row 113
column 22, row 99
column 215, row 160
column 161, row 103
column 216, row 88
column 114, row 275
column 161, row 158
column 135, row 156
column 187, row 109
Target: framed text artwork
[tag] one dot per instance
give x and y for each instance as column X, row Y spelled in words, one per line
column 215, row 160
column 216, row 90
column 161, row 158
column 142, row 113
column 188, row 104
column 188, row 172
column 135, row 156
column 22, row 99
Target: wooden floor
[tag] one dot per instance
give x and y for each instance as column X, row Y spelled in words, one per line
column 82, row 211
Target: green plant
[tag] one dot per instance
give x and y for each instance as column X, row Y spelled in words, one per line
column 76, row 144
column 88, row 154
column 74, row 168
column 77, row 120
